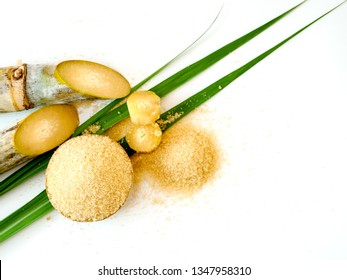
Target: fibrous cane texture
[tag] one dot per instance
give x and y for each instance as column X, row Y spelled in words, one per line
column 9, row 156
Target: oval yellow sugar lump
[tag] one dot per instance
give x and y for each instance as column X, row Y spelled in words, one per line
column 45, row 129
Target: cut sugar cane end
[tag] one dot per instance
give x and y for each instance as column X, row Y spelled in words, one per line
column 92, row 78
column 45, row 129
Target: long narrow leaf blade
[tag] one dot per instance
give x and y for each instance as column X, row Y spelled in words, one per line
column 177, row 56
column 192, row 70
column 32, row 168
column 199, row 98
column 24, row 216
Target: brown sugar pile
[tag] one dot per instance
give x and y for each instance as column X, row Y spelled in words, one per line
column 184, row 161
column 89, row 178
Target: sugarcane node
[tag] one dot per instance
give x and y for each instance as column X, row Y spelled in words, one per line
column 17, row 85
column 18, row 73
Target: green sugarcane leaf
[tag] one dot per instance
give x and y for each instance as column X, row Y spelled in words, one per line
column 24, row 216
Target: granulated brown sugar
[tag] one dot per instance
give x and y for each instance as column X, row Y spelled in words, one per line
column 169, row 119
column 185, row 160
column 89, row 178
column 91, row 129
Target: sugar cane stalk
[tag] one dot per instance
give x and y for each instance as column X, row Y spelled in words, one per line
column 9, row 156
column 29, row 85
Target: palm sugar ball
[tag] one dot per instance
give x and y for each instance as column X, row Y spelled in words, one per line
column 89, row 178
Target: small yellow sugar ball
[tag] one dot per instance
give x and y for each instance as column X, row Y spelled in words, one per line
column 144, row 138
column 144, row 107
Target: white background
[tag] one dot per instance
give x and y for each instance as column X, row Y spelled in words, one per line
column 278, row 203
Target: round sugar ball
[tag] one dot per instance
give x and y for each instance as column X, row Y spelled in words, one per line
column 89, row 178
